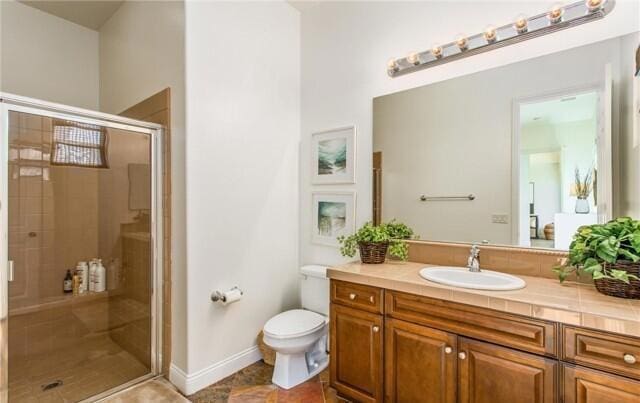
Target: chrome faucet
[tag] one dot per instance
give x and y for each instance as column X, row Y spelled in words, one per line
column 473, row 263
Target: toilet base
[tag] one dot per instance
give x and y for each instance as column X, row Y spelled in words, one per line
column 293, row 369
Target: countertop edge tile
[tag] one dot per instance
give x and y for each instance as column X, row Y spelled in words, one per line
column 542, row 298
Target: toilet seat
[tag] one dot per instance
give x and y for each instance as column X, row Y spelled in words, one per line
column 293, row 323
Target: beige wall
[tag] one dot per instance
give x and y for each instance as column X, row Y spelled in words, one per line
column 142, row 53
column 629, row 145
column 243, row 133
column 46, row 57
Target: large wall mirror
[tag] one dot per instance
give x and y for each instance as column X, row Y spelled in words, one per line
column 522, row 154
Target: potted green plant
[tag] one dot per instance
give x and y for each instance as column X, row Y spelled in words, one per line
column 610, row 253
column 373, row 242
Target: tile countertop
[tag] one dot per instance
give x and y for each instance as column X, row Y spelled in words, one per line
column 570, row 303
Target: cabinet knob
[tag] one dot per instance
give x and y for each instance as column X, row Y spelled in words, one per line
column 462, row 355
column 375, row 329
column 371, row 299
column 352, row 296
column 629, row 358
column 448, row 350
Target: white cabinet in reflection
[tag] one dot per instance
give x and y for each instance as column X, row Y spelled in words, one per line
column 566, row 225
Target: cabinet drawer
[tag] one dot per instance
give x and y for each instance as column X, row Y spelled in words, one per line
column 357, row 296
column 614, row 353
column 533, row 335
column 584, row 385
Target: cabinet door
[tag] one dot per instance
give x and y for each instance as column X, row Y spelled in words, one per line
column 582, row 385
column 493, row 374
column 356, row 353
column 420, row 364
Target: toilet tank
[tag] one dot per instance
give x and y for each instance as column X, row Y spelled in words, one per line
column 314, row 289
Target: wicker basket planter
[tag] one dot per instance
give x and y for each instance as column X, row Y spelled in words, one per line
column 616, row 288
column 373, row 252
column 268, row 354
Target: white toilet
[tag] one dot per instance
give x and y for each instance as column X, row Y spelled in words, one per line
column 299, row 336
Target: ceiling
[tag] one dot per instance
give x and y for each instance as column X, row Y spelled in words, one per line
column 90, row 14
column 561, row 110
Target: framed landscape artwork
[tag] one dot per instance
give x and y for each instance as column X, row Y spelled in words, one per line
column 333, row 156
column 333, row 216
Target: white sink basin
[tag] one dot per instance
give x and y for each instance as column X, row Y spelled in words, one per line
column 461, row 277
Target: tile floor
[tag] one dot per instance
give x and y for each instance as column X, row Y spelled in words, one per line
column 250, row 385
column 253, row 385
column 96, row 364
column 157, row 391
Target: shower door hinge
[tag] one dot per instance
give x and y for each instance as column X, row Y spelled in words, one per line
column 10, row 271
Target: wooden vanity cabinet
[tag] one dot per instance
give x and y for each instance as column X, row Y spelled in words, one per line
column 420, row 363
column 583, row 385
column 356, row 353
column 490, row 374
column 397, row 347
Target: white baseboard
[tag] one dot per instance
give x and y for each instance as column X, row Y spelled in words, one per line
column 191, row 383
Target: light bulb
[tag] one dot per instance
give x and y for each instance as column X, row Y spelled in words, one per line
column 462, row 42
column 413, row 58
column 392, row 65
column 436, row 51
column 520, row 24
column 555, row 13
column 594, row 5
column 490, row 34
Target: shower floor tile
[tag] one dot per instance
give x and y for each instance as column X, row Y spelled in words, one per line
column 85, row 369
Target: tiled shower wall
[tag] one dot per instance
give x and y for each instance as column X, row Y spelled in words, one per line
column 59, row 215
column 157, row 109
column 28, row 198
column 75, row 196
column 129, row 309
column 125, row 239
column 52, row 212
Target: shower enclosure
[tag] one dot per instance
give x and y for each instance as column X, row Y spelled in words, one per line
column 77, row 186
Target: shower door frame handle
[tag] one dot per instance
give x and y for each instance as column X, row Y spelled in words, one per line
column 10, row 270
column 10, row 102
column 4, row 253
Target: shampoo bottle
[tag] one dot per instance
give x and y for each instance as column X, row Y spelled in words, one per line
column 76, row 284
column 92, row 275
column 83, row 270
column 101, row 277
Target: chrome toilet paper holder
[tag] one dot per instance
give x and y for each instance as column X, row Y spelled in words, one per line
column 217, row 296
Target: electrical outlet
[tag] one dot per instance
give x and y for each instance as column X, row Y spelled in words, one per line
column 500, row 218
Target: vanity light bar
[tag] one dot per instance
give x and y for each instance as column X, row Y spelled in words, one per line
column 557, row 18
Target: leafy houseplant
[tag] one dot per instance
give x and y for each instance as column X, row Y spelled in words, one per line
column 373, row 241
column 610, row 253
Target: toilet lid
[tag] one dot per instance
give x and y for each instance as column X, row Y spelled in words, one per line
column 296, row 322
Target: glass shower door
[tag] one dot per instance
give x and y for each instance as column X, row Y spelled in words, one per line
column 80, row 295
